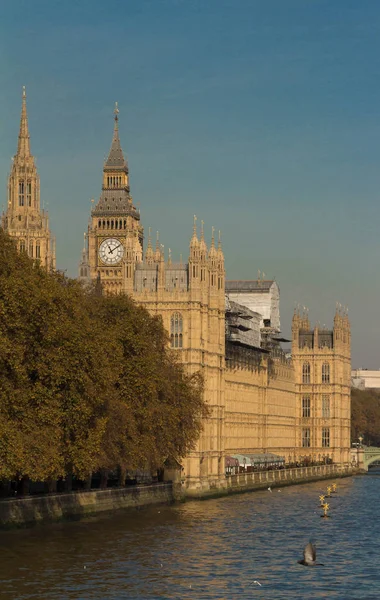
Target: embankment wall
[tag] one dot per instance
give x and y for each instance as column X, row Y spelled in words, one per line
column 52, row 507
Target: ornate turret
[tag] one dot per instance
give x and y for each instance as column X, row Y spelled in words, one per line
column 296, row 325
column 194, row 268
column 220, row 255
column 24, row 219
column 157, row 254
column 84, row 267
column 212, row 254
column 149, row 254
column 202, row 246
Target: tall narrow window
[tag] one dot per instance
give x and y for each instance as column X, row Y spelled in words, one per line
column 325, row 437
column 21, row 193
column 176, row 326
column 306, row 437
column 22, row 245
column 38, row 250
column 325, row 373
column 29, row 193
column 325, row 406
column 31, row 249
column 306, row 372
column 306, row 406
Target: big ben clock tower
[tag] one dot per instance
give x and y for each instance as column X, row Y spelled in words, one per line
column 115, row 236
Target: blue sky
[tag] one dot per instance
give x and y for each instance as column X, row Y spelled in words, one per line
column 262, row 117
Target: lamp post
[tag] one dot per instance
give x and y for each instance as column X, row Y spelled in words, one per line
column 360, row 440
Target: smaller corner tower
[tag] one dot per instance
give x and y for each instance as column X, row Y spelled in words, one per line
column 322, row 364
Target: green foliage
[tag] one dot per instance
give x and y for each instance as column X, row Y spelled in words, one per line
column 87, row 382
column 365, row 416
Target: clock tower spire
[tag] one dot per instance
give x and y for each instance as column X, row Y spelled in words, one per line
column 115, row 236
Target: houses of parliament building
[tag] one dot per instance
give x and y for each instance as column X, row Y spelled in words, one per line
column 263, row 400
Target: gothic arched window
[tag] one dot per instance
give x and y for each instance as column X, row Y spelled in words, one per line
column 22, row 245
column 306, row 372
column 21, row 193
column 176, row 327
column 31, row 249
column 38, row 250
column 325, row 373
column 29, row 193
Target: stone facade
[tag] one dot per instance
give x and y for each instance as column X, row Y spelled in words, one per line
column 23, row 219
column 322, row 360
column 256, row 393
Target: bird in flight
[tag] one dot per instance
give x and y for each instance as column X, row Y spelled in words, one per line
column 310, row 557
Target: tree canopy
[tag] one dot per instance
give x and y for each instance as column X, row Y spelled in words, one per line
column 86, row 382
column 365, row 416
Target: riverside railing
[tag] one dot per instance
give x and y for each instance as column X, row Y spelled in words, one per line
column 293, row 475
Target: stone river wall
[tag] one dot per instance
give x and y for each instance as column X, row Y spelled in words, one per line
column 16, row 512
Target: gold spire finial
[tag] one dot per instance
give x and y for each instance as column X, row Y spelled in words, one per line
column 195, row 226
column 219, row 240
column 116, row 111
column 212, row 236
column 23, row 91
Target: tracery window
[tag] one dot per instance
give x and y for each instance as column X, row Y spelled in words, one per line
column 325, row 406
column 325, row 437
column 306, row 406
column 306, row 372
column 22, row 245
column 38, row 250
column 325, row 373
column 21, row 193
column 306, row 437
column 29, row 193
column 176, row 331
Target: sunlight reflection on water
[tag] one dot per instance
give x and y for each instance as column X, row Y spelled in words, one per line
column 212, row 549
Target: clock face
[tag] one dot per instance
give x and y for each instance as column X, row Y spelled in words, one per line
column 111, row 251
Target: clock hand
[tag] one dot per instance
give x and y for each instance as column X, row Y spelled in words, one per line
column 112, row 251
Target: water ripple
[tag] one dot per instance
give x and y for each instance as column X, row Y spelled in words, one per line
column 206, row 550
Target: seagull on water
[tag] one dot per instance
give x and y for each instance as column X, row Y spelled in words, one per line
column 310, row 557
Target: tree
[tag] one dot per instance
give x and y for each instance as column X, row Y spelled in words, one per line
column 160, row 408
column 365, row 415
column 86, row 382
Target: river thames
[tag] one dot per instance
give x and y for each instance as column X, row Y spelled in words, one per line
column 210, row 549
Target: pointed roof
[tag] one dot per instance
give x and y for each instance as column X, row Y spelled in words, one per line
column 23, row 148
column 115, row 158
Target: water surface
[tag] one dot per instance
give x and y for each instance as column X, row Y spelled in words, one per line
column 212, row 549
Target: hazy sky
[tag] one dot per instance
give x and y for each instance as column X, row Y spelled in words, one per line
column 262, row 117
